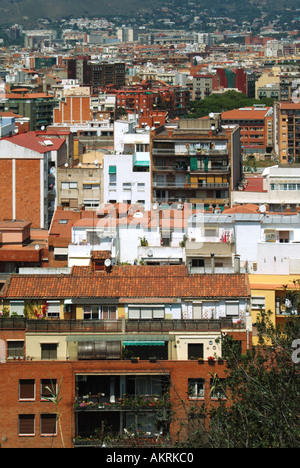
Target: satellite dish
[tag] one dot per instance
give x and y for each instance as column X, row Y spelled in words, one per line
column 211, row 115
column 262, row 208
column 107, row 262
column 155, row 206
column 36, row 246
column 150, row 253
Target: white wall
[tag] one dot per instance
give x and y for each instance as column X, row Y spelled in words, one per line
column 125, row 174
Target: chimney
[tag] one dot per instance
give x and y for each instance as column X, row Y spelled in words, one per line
column 237, row 264
column 212, row 261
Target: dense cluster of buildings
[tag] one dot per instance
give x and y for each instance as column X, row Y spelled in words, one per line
column 132, row 238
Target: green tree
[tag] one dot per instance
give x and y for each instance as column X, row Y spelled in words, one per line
column 262, row 391
column 218, row 103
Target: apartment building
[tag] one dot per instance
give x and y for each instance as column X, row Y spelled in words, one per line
column 256, row 126
column 29, row 163
column 38, row 107
column 287, row 132
column 125, row 351
column 198, row 161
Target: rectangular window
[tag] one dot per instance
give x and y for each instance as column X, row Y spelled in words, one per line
column 15, row 349
column 26, row 425
column 48, row 386
column 68, row 185
column 232, row 308
column 49, row 351
column 196, row 388
column 195, row 350
column 48, row 424
column 258, row 302
column 53, row 309
column 27, row 389
column 17, row 307
column 91, row 186
column 146, row 313
column 217, row 389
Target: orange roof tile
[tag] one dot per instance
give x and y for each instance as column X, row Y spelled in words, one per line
column 127, row 282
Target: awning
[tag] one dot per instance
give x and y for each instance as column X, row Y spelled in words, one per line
column 143, row 343
column 112, row 169
column 60, row 251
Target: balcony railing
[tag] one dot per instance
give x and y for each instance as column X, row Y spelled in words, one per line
column 121, row 326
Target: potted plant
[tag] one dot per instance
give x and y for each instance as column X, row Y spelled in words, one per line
column 153, row 359
column 200, row 360
column 134, row 359
column 211, row 360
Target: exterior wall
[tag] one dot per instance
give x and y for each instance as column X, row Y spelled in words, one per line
column 20, row 190
column 75, row 109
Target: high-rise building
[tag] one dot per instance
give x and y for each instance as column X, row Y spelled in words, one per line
column 287, row 132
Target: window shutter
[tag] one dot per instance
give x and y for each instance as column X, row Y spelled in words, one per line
column 26, row 424
column 232, row 308
column 17, row 307
column 48, row 424
column 26, row 389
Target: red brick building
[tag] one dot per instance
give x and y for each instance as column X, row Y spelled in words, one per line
column 28, row 164
column 125, row 350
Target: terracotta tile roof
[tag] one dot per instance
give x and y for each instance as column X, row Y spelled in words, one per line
column 245, row 113
column 32, row 141
column 127, row 282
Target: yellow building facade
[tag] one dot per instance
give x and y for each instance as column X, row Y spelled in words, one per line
column 271, row 293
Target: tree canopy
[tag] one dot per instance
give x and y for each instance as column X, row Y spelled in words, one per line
column 218, row 103
column 262, row 391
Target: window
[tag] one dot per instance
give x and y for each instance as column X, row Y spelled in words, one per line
column 91, row 203
column 26, row 425
column 53, row 309
column 217, row 389
column 195, row 350
column 232, row 308
column 196, row 388
column 197, row 262
column 48, row 424
column 68, row 185
column 17, row 307
column 127, row 186
column 47, row 384
column 27, row 389
column 15, row 349
column 146, row 313
column 284, row 237
column 258, row 302
column 96, row 312
column 91, row 186
column 49, row 351
column 141, row 186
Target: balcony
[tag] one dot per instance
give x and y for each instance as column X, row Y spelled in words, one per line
column 176, row 185
column 114, row 326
